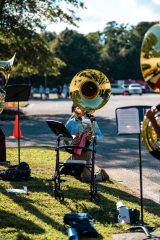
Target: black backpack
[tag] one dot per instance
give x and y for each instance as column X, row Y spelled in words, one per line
column 134, row 215
column 18, row 172
column 83, row 224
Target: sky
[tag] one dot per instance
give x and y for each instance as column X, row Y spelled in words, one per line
column 99, row 12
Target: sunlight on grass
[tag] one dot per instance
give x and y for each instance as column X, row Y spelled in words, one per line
column 39, row 216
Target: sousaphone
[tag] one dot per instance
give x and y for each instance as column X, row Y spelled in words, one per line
column 5, row 70
column 150, row 67
column 90, row 90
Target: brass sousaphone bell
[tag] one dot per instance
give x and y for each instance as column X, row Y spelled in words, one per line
column 5, row 70
column 150, row 67
column 90, row 90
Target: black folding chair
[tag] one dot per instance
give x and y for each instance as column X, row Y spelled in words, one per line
column 70, row 167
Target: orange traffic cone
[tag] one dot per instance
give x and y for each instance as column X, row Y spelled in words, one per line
column 124, row 93
column 15, row 129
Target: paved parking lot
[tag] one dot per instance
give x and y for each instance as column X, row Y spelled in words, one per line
column 117, row 154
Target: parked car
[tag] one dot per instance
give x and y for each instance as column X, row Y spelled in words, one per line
column 117, row 89
column 133, row 88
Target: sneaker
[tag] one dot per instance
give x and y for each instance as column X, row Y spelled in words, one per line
column 105, row 176
column 98, row 177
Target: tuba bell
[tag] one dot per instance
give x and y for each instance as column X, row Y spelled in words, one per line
column 90, row 90
column 150, row 67
column 5, row 70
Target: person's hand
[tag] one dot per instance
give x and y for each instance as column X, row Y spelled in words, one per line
column 91, row 117
column 89, row 137
column 151, row 113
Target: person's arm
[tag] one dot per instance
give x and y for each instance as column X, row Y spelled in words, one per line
column 69, row 127
column 74, row 127
column 151, row 116
column 98, row 134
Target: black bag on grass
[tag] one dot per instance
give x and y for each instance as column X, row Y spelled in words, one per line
column 72, row 169
column 83, row 224
column 18, row 172
column 134, row 215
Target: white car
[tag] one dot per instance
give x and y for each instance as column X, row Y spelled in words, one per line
column 134, row 88
column 117, row 89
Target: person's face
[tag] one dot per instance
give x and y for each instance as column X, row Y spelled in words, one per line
column 78, row 112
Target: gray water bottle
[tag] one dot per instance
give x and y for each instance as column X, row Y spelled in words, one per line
column 72, row 234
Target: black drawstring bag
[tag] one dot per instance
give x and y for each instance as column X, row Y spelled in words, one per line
column 134, row 215
column 18, row 172
column 72, row 169
column 83, row 223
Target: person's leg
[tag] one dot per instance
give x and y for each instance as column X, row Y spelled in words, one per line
column 100, row 173
column 86, row 156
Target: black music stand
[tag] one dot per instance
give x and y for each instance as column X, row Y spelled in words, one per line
column 18, row 93
column 58, row 128
column 130, row 123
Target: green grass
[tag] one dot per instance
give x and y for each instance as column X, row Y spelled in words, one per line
column 39, row 216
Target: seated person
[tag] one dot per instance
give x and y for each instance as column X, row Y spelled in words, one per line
column 80, row 123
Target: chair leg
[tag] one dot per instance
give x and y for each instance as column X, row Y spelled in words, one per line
column 57, row 189
column 94, row 196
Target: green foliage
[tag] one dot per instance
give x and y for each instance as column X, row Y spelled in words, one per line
column 39, row 216
column 33, row 15
column 77, row 51
column 19, row 23
column 121, row 50
column 115, row 51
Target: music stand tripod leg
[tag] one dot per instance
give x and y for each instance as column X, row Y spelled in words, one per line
column 57, row 188
column 141, row 225
column 93, row 189
column 144, row 228
column 19, row 154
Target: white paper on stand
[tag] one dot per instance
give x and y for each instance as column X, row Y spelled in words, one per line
column 128, row 121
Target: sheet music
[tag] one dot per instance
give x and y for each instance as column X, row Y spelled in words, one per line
column 128, row 121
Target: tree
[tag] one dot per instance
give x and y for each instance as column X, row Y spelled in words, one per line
column 121, row 49
column 115, row 39
column 77, row 51
column 48, row 36
column 19, row 25
column 132, row 56
column 33, row 15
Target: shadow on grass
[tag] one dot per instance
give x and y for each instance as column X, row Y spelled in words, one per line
column 105, row 209
column 21, row 236
column 14, row 221
column 149, row 205
column 28, row 206
column 35, row 185
column 82, row 193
